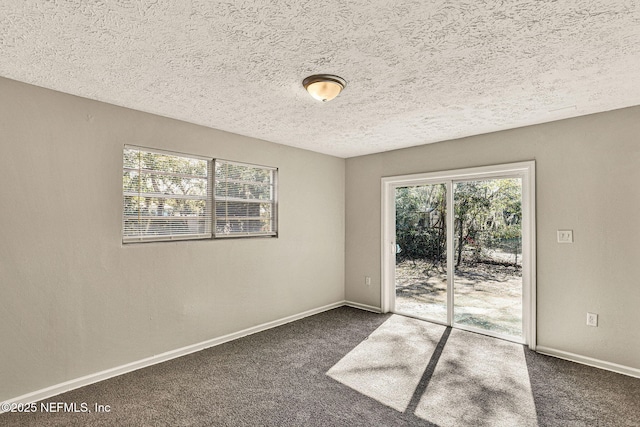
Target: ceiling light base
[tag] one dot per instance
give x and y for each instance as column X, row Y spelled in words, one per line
column 324, row 87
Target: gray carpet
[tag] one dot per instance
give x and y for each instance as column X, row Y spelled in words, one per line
column 348, row 367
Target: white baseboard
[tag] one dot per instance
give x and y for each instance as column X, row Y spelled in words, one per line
column 597, row 363
column 54, row 390
column 362, row 306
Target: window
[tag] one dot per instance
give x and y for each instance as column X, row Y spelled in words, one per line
column 245, row 200
column 167, row 196
column 171, row 196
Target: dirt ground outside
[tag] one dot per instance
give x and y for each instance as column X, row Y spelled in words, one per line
column 487, row 295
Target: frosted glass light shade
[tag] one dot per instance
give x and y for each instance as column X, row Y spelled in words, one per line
column 324, row 87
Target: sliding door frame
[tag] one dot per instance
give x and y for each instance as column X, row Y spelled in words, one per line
column 523, row 170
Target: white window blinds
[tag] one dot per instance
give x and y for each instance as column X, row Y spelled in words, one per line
column 167, row 196
column 245, row 200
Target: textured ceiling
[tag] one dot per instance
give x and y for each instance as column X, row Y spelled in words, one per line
column 417, row 71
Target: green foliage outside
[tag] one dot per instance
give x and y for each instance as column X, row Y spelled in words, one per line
column 421, row 223
column 488, row 217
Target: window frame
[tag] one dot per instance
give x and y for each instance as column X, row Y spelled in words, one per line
column 210, row 222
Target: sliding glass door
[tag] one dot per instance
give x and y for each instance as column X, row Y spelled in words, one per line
column 458, row 249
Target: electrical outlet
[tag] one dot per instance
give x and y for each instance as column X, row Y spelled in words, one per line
column 367, row 280
column 592, row 319
column 565, row 236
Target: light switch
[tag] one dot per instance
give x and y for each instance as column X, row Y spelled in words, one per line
column 565, row 236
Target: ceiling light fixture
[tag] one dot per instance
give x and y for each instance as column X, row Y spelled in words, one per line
column 324, row 87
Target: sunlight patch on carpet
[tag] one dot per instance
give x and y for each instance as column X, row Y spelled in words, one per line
column 389, row 364
column 479, row 381
column 469, row 379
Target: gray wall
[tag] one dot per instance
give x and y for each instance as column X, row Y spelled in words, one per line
column 588, row 180
column 75, row 301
